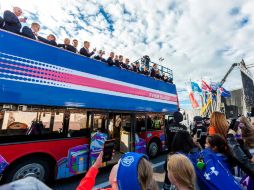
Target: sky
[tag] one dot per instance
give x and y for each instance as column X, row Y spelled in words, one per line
column 198, row 39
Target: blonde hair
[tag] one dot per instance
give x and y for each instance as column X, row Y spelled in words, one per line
column 247, row 132
column 219, row 122
column 145, row 175
column 182, row 170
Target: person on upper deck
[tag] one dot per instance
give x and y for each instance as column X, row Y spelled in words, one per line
column 157, row 74
column 153, row 70
column 31, row 32
column 136, row 67
column 67, row 45
column 1, row 22
column 51, row 39
column 99, row 57
column 11, row 21
column 110, row 59
column 75, row 44
column 116, row 61
column 145, row 71
column 125, row 65
column 120, row 61
column 85, row 50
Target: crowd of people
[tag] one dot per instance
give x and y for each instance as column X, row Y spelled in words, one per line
column 12, row 22
column 214, row 154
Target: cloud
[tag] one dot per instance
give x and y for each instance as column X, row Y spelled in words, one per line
column 197, row 38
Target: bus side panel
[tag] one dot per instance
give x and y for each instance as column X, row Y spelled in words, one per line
column 158, row 134
column 71, row 155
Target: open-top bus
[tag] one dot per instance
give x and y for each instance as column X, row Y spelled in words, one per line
column 58, row 108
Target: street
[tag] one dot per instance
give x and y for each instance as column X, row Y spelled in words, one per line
column 102, row 178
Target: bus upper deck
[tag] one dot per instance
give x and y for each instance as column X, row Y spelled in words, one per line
column 30, row 69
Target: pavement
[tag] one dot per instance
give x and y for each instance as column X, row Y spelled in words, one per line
column 102, row 178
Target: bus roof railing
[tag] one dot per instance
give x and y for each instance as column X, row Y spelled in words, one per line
column 145, row 61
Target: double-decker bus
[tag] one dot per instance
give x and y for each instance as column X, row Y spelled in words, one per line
column 58, row 108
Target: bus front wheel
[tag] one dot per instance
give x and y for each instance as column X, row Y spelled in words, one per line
column 153, row 149
column 33, row 167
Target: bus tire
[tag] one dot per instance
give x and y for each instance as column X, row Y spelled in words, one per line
column 153, row 149
column 31, row 166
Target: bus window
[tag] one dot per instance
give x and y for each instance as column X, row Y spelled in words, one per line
column 1, row 119
column 45, row 119
column 78, row 125
column 25, row 123
column 100, row 123
column 140, row 123
column 155, row 121
column 58, row 122
column 126, row 122
column 17, row 122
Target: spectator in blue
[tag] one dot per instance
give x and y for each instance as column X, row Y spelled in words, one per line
column 67, row 45
column 110, row 59
column 85, row 50
column 31, row 32
column 219, row 145
column 11, row 21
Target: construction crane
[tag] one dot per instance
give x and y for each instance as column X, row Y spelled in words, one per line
column 242, row 68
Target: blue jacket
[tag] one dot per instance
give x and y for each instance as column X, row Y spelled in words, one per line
column 11, row 22
column 1, row 22
column 44, row 40
column 26, row 31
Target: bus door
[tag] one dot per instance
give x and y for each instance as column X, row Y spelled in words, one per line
column 140, row 133
column 127, row 133
column 115, row 121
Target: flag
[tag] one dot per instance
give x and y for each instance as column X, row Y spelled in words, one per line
column 214, row 85
column 206, row 87
column 195, row 87
column 193, row 101
column 224, row 92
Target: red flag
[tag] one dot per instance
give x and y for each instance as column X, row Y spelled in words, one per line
column 205, row 86
column 194, row 102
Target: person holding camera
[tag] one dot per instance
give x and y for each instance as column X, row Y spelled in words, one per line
column 99, row 56
column 199, row 132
